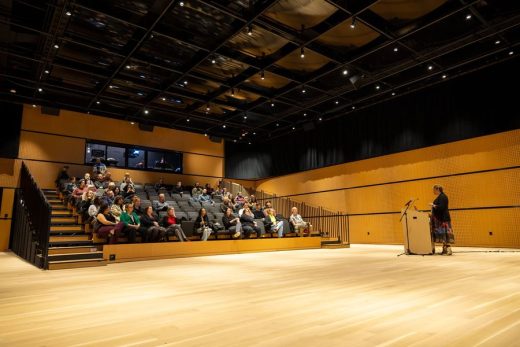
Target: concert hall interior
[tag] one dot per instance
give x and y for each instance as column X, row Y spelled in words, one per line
column 259, row 173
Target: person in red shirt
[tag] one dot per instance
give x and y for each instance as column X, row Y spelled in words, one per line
column 173, row 226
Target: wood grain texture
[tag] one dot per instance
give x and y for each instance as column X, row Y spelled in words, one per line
column 362, row 296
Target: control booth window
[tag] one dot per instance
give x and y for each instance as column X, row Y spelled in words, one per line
column 166, row 161
column 126, row 156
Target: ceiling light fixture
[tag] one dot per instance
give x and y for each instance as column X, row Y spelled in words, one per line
column 378, row 87
column 207, row 108
column 430, row 67
column 272, row 104
column 336, row 102
column 277, row 124
column 56, row 46
column 302, row 52
column 68, row 13
column 47, row 72
column 396, row 49
column 185, row 83
column 181, row 4
column 213, row 61
column 345, row 72
column 34, row 106
column 511, row 52
column 98, row 102
column 353, row 107
column 468, row 17
column 206, row 134
column 444, row 76
column 305, row 114
column 320, row 119
column 187, row 120
column 128, row 67
column 163, row 99
column 393, row 93
column 293, row 128
column 245, row 117
column 224, row 126
column 13, row 91
column 250, row 30
column 262, row 75
column 232, row 91
column 497, row 42
column 40, row 90
column 303, row 90
column 146, row 111
column 353, row 24
column 132, row 123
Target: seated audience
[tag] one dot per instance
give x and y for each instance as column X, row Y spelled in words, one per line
column 88, row 180
column 132, row 223
column 272, row 223
column 99, row 181
column 173, row 226
column 196, row 191
column 160, row 184
column 208, row 188
column 78, row 192
column 69, row 187
column 226, row 203
column 129, row 194
column 252, row 199
column 239, row 200
column 155, row 232
column 117, row 207
column 247, row 219
column 93, row 209
column 268, row 205
column 99, row 167
column 106, row 225
column 161, row 204
column 258, row 212
column 109, row 197
column 136, row 201
column 107, row 179
column 127, row 183
column 203, row 226
column 205, row 197
column 178, row 188
column 86, row 200
column 117, row 191
column 231, row 223
column 226, row 194
column 300, row 226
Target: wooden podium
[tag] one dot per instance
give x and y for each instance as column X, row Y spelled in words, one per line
column 416, row 230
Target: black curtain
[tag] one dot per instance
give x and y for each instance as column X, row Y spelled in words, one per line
column 474, row 105
column 10, row 129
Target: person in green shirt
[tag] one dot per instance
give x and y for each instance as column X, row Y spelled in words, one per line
column 132, row 223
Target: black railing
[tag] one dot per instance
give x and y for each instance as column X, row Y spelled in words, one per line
column 31, row 225
column 330, row 224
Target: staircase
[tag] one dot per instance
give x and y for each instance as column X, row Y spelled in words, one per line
column 69, row 245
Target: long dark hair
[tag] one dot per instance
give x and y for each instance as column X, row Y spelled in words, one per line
column 200, row 212
column 104, row 206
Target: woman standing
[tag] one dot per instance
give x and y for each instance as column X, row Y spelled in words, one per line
column 441, row 220
column 203, row 225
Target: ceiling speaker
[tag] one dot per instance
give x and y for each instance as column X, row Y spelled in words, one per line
column 215, row 139
column 51, row 111
column 145, row 127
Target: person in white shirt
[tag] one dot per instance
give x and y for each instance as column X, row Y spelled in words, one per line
column 298, row 223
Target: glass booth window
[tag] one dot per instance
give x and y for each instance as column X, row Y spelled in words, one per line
column 136, row 158
column 95, row 150
column 169, row 161
column 115, row 156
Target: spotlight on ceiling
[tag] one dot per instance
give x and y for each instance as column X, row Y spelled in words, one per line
column 224, row 126
column 163, row 99
column 511, row 52
column 262, row 74
column 146, row 111
column 56, row 46
column 98, row 102
column 336, row 102
column 207, row 108
column 393, row 93
column 302, row 52
column 353, row 107
column 277, row 124
column 272, row 104
column 430, row 67
column 320, row 119
column 468, row 16
column 13, row 91
column 232, row 91
column 250, row 30
column 396, row 49
column 345, row 72
column 206, row 135
column 213, row 61
column 245, row 117
column 378, row 87
column 68, row 13
column 40, row 90
column 497, row 42
column 293, row 128
column 181, row 4
column 132, row 123
column 353, row 80
column 47, row 72
column 185, row 83
column 304, row 90
column 34, row 106
column 353, row 24
column 305, row 114
column 187, row 120
column 444, row 76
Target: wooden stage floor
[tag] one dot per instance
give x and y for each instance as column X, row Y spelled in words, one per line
column 362, row 296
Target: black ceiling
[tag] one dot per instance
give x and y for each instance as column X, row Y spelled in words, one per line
column 234, row 68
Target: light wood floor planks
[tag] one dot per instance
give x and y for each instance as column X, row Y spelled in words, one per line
column 363, row 296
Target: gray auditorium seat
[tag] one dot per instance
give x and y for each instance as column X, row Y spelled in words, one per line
column 192, row 215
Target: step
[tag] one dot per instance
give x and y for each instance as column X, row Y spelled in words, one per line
column 76, row 256
column 55, row 201
column 66, row 243
column 77, row 228
column 67, row 232
column 72, row 264
column 67, row 238
column 63, row 220
column 73, row 249
column 335, row 245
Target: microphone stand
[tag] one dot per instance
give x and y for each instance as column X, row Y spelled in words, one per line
column 405, row 213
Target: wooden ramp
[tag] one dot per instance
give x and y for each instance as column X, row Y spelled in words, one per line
column 147, row 251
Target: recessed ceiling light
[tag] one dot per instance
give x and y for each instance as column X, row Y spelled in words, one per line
column 47, row 71
column 497, row 42
column 142, row 76
column 345, row 72
column 181, row 4
column 111, row 87
column 98, row 102
column 353, row 24
column 234, row 140
column 378, row 87
column 146, row 111
column 13, row 91
column 140, row 93
column 305, row 114
column 302, row 52
column 430, row 67
column 207, row 108
column 277, row 124
column 444, row 76
column 262, row 75
column 393, row 93
column 511, row 52
column 353, row 107
column 163, row 99
column 40, row 90
column 320, row 119
column 213, row 61
column 185, row 82
column 187, row 120
column 249, row 143
column 245, row 117
column 128, row 67
column 272, row 104
column 132, row 123
column 206, row 135
column 34, row 106
column 396, row 49
column 293, row 128
column 250, row 30
column 224, row 126
column 336, row 102
column 254, row 133
column 56, row 46
column 468, row 16
column 304, row 91
column 68, row 13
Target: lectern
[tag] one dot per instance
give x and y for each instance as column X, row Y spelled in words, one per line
column 416, row 230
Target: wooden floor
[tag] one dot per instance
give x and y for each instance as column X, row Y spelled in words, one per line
column 362, row 296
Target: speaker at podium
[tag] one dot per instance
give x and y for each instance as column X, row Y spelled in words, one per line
column 416, row 231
